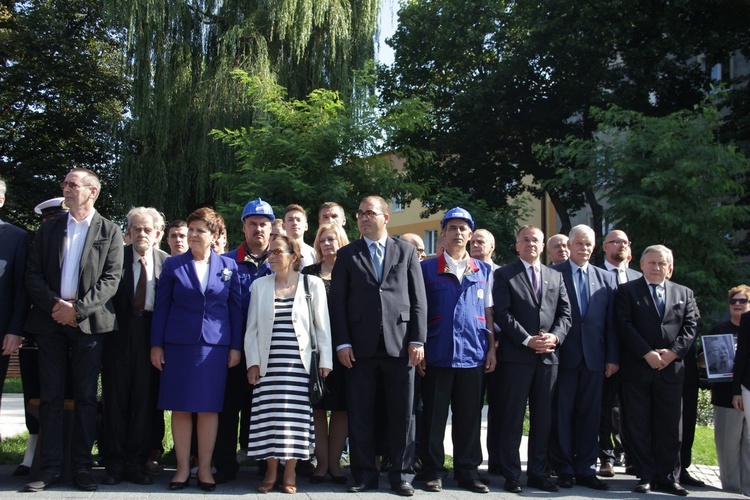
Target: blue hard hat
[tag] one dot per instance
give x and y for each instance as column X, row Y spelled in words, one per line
column 258, row 207
column 457, row 213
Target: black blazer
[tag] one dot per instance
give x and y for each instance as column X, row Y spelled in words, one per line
column 14, row 249
column 125, row 296
column 100, row 270
column 361, row 307
column 520, row 315
column 641, row 330
column 742, row 356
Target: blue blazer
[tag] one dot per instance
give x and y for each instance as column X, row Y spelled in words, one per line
column 14, row 248
column 592, row 338
column 183, row 314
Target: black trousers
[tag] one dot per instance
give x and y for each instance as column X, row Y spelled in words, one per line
column 225, row 450
column 520, row 383
column 129, row 394
column 461, row 390
column 397, row 380
column 689, row 418
column 653, row 427
column 85, row 359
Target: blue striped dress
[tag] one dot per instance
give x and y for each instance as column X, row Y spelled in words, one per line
column 281, row 423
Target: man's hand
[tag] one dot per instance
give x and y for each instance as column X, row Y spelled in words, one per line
column 490, row 362
column 416, row 354
column 64, row 313
column 544, row 343
column 157, row 357
column 654, row 360
column 422, row 368
column 667, row 357
column 233, row 358
column 610, row 369
column 346, row 357
column 11, row 343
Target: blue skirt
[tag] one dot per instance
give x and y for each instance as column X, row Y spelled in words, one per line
column 194, row 377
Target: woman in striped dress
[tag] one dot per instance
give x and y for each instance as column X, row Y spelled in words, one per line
column 278, row 352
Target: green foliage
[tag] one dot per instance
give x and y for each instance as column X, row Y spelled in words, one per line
column 181, row 55
column 61, row 99
column 668, row 180
column 306, row 152
column 502, row 77
column 705, row 417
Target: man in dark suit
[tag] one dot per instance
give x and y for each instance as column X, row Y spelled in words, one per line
column 656, row 322
column 14, row 248
column 72, row 274
column 379, row 322
column 590, row 353
column 612, row 445
column 533, row 313
column 129, row 382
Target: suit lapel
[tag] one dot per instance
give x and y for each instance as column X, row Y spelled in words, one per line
column 189, row 263
column 390, row 256
column 127, row 273
column 366, row 260
column 648, row 297
column 214, row 269
column 567, row 273
column 94, row 229
column 58, row 238
column 527, row 280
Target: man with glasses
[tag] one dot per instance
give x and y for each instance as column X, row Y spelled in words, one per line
column 657, row 321
column 532, row 309
column 72, row 274
column 379, row 323
column 612, row 444
column 418, row 243
column 251, row 257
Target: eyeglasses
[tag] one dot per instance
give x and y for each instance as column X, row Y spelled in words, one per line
column 278, row 251
column 367, row 215
column 73, row 185
column 527, row 241
column 738, row 301
column 622, row 243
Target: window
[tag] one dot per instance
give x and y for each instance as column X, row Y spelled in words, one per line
column 430, row 238
column 396, row 205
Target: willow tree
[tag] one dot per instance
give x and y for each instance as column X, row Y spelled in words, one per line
column 180, row 57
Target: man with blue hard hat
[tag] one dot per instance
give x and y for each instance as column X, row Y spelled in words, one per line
column 251, row 258
column 460, row 349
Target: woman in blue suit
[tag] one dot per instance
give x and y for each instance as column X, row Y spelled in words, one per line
column 196, row 336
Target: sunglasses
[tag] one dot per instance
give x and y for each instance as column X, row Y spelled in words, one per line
column 738, row 301
column 278, row 251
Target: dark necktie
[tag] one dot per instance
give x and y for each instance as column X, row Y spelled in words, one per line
column 620, row 275
column 658, row 300
column 139, row 302
column 535, row 283
column 583, row 293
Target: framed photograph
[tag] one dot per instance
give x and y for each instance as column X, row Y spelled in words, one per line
column 719, row 353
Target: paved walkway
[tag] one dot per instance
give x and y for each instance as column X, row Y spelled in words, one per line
column 621, row 486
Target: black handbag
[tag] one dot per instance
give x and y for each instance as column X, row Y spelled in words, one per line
column 318, row 387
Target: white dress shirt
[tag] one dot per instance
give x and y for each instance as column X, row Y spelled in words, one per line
column 75, row 239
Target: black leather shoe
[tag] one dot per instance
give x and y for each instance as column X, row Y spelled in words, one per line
column 592, row 482
column 542, row 483
column 673, row 488
column 112, row 478
column 404, row 488
column 84, row 482
column 643, row 486
column 45, row 481
column 512, row 485
column 140, row 477
column 474, row 485
column 434, row 485
column 565, row 481
column 22, row 470
column 316, row 479
column 688, row 480
column 338, row 479
column 360, row 487
column 206, row 486
column 175, row 485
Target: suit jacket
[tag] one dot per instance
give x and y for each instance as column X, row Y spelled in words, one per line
column 125, row 295
column 183, row 313
column 362, row 308
column 261, row 317
column 641, row 329
column 520, row 315
column 14, row 249
column 593, row 337
column 99, row 275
